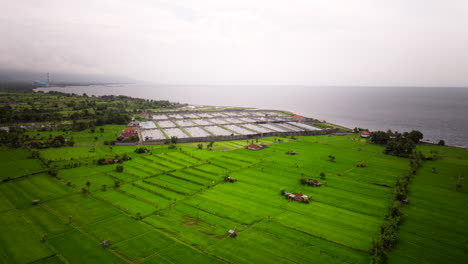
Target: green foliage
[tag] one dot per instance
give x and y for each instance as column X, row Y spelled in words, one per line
column 379, row 137
column 119, row 168
column 415, row 136
column 400, row 146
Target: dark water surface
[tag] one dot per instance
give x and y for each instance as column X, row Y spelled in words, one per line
column 440, row 113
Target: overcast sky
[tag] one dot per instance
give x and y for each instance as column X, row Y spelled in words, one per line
column 309, row 42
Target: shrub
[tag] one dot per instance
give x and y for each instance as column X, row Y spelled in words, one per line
column 119, row 168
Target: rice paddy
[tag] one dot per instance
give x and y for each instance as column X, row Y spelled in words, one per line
column 173, row 205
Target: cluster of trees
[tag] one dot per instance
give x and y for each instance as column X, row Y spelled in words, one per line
column 56, row 142
column 116, row 159
column 55, row 106
column 16, row 137
column 388, row 230
column 141, row 150
column 397, row 144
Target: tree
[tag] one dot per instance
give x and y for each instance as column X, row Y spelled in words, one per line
column 400, row 146
column 441, row 143
column 174, row 140
column 53, row 172
column 101, row 129
column 415, row 136
column 200, row 146
column 322, row 175
column 210, row 145
column 331, row 158
column 104, row 188
column 33, row 154
column 88, row 184
column 379, row 137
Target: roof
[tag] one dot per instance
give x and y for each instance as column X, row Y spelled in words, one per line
column 129, row 129
column 296, row 116
column 365, row 133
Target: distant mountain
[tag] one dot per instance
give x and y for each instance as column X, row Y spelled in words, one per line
column 16, row 76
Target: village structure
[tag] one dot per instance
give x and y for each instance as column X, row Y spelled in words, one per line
column 199, row 126
column 311, row 182
column 365, row 134
column 296, row 197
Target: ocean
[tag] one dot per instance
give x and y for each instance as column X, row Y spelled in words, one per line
column 439, row 113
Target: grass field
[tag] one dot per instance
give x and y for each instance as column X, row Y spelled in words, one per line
column 173, row 206
column 435, row 227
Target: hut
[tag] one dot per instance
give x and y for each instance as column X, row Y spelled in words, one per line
column 229, row 179
column 311, row 182
column 35, row 202
column 255, row 147
column 291, row 152
column 297, row 197
column 105, row 243
column 232, row 233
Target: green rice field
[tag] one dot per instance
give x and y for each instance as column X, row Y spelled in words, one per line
column 173, row 205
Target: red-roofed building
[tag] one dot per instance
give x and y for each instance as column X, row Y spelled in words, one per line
column 297, row 117
column 255, row 147
column 129, row 129
column 365, row 134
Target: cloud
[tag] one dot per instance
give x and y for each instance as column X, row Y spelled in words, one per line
column 333, row 42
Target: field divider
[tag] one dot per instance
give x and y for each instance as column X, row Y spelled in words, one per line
column 38, row 233
column 182, row 128
column 114, row 205
column 162, row 130
column 160, row 164
column 204, row 171
column 230, row 130
column 237, row 159
column 250, row 129
column 160, row 251
column 171, row 161
column 196, row 175
column 217, row 165
column 227, row 218
column 206, row 130
column 136, row 197
column 183, row 179
column 192, row 156
column 166, row 188
column 304, row 232
column 152, row 191
column 182, row 159
column 23, row 176
column 140, row 169
column 227, row 162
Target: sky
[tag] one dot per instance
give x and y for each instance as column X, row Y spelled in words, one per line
column 242, row 42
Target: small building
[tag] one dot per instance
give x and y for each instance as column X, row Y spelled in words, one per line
column 105, row 243
column 35, row 202
column 255, row 147
column 232, row 233
column 365, row 134
column 311, row 182
column 297, row 117
column 230, row 179
column 291, row 152
column 297, row 197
